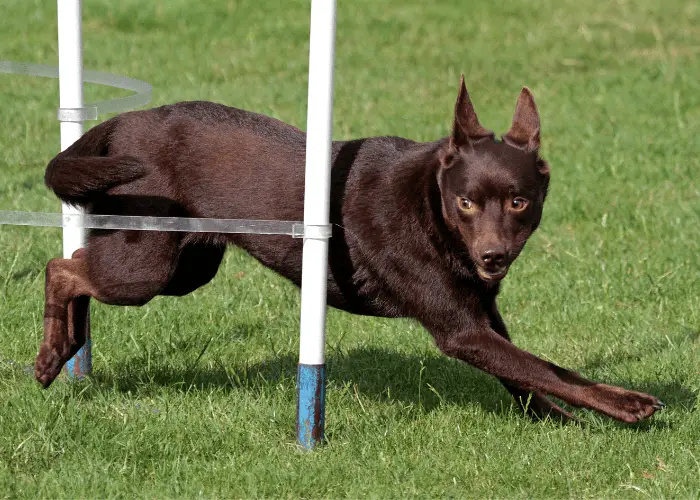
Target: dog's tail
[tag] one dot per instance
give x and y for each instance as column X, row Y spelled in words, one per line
column 84, row 169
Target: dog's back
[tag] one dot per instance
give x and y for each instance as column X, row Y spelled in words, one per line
column 201, row 159
column 213, row 160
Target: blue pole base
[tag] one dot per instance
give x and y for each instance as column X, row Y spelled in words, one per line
column 80, row 365
column 311, row 404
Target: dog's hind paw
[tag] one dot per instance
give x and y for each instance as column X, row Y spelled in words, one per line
column 47, row 366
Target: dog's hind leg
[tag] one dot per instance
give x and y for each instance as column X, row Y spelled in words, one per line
column 118, row 268
column 78, row 316
column 66, row 316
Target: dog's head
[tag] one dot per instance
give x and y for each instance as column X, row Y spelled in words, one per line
column 493, row 192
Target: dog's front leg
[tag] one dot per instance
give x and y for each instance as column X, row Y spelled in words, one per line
column 535, row 404
column 483, row 348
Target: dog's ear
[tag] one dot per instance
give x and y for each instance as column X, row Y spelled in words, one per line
column 524, row 133
column 466, row 127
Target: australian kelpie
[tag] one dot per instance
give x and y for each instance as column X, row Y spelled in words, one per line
column 421, row 230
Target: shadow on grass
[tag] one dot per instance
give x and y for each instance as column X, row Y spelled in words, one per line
column 672, row 394
column 610, row 358
column 379, row 374
column 382, row 375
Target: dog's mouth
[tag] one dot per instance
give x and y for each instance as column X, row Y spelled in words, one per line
column 491, row 276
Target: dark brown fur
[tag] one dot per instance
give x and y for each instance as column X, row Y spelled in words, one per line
column 424, row 230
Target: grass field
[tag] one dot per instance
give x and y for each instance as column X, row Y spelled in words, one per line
column 195, row 396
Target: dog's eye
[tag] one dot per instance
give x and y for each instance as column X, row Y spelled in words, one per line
column 465, row 204
column 519, row 204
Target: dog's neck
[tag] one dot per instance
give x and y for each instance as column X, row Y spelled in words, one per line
column 417, row 178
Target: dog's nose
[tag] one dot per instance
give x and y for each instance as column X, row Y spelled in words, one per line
column 494, row 257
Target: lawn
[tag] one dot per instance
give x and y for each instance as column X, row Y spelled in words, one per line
column 196, row 396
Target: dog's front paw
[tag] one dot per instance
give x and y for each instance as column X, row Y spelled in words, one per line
column 628, row 406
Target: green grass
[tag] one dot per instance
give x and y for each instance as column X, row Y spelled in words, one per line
column 609, row 286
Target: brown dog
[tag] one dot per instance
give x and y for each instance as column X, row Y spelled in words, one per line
column 423, row 230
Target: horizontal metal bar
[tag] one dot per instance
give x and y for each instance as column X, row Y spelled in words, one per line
column 167, row 224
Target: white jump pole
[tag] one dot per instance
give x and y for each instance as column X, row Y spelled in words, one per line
column 70, row 84
column 311, row 380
